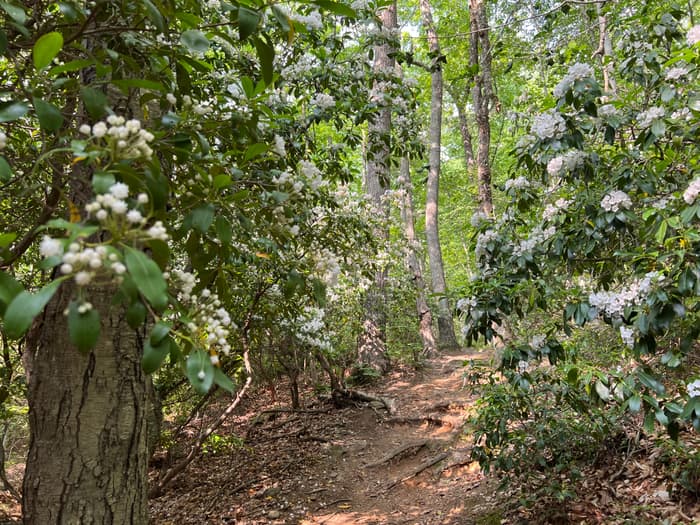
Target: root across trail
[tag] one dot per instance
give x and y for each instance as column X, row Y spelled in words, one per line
column 394, row 455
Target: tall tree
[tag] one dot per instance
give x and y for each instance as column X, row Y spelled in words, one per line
column 446, row 332
column 482, row 96
column 425, row 316
column 371, row 344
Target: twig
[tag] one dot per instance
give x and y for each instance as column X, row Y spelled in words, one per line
column 425, row 465
column 397, row 452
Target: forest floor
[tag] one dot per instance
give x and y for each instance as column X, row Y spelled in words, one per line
column 362, row 465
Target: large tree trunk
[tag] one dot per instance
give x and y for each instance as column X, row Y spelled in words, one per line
column 482, row 94
column 88, row 454
column 425, row 316
column 371, row 344
column 446, row 332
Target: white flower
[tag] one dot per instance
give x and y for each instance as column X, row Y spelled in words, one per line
column 692, row 192
column 537, row 342
column 142, row 198
column 576, row 72
column 85, row 129
column 522, row 366
column 519, row 183
column 279, row 146
column 171, row 98
column 693, row 36
column 119, row 207
column 134, row 216
column 627, row 335
column 118, row 268
column 548, row 125
column 50, row 247
column 119, row 190
column 607, row 110
column 101, row 215
column 616, row 200
column 82, row 278
column 99, row 130
column 201, row 375
column 694, row 387
column 323, row 101
column 647, row 118
column 675, row 73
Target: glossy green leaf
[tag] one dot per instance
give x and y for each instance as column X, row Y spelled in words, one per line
column 202, row 217
column 46, row 48
column 16, row 13
column 248, row 21
column 83, row 328
column 336, row 8
column 158, row 333
column 25, row 307
column 223, row 380
column 223, row 229
column 635, row 404
column 266, row 54
column 154, row 15
column 153, row 355
column 50, row 117
column 200, row 371
column 9, row 289
column 5, row 170
column 194, row 40
column 148, row 277
column 10, row 111
column 102, row 181
column 136, row 314
column 95, row 102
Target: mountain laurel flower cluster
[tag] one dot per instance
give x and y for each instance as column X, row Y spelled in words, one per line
column 627, row 334
column 125, row 138
column 537, row 342
column 536, row 238
column 311, row 328
column 323, row 101
column 613, row 304
column 607, row 110
column 553, row 209
column 693, row 36
column 647, row 118
column 566, row 163
column 548, row 125
column 615, row 201
column 519, row 183
column 691, row 194
column 576, row 72
column 209, row 323
column 694, row 387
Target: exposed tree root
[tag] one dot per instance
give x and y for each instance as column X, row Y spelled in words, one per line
column 431, row 420
column 342, row 396
column 400, row 451
column 420, row 468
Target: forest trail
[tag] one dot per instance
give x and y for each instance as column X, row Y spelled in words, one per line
column 358, row 465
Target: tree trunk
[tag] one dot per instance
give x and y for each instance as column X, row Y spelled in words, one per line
column 446, row 332
column 425, row 316
column 604, row 51
column 482, row 94
column 88, row 455
column 371, row 344
column 467, row 146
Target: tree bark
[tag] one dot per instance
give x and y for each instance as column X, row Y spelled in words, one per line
column 425, row 316
column 371, row 344
column 604, row 51
column 467, row 144
column 482, row 95
column 88, row 455
column 446, row 333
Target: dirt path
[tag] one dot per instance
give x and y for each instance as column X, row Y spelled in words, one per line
column 358, row 465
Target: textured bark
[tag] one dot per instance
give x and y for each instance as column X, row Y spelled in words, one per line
column 425, row 316
column 88, row 456
column 371, row 344
column 482, row 95
column 604, row 51
column 446, row 332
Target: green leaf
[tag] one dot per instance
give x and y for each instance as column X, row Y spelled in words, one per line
column 602, row 390
column 9, row 289
column 202, row 217
column 649, row 422
column 661, row 417
column 10, row 111
column 153, row 355
column 83, row 328
column 7, row 238
column 5, row 170
column 154, row 15
column 223, row 380
column 336, row 8
column 141, row 83
column 658, row 128
column 160, row 330
column 46, row 48
column 223, row 230
column 95, row 102
column 634, row 403
column 693, row 406
column 136, row 314
column 102, row 181
column 25, row 307
column 248, row 21
column 650, row 382
column 200, row 371
column 50, row 117
column 194, row 40
column 255, row 150
column 16, row 13
column 148, row 278
column 266, row 54
column 73, row 65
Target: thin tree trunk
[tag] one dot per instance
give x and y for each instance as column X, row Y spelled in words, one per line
column 88, row 454
column 371, row 344
column 425, row 316
column 482, row 94
column 446, row 331
column 466, row 135
column 604, row 51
